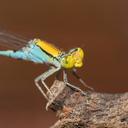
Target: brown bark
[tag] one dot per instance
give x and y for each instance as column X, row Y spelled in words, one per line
column 76, row 109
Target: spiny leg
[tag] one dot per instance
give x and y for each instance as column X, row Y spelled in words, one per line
column 46, row 75
column 81, row 80
column 39, row 87
column 42, row 77
column 65, row 78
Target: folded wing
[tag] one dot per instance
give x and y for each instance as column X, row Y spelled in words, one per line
column 11, row 40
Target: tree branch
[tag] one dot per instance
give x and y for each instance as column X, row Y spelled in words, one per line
column 89, row 110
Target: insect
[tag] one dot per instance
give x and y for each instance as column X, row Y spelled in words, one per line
column 39, row 51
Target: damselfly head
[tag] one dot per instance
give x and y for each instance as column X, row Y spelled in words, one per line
column 74, row 58
column 78, row 55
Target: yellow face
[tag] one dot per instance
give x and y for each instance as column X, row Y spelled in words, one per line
column 78, row 57
column 73, row 59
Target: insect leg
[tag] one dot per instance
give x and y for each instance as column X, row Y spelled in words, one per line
column 46, row 75
column 38, row 86
column 65, row 78
column 42, row 77
column 81, row 80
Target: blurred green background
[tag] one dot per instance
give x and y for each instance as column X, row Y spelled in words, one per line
column 99, row 27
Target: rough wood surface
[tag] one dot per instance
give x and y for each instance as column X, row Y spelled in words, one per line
column 77, row 109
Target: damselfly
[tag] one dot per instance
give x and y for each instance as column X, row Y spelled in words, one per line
column 39, row 51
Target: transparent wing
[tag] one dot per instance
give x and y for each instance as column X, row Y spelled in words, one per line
column 11, row 40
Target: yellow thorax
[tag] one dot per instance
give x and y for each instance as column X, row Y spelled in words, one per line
column 49, row 48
